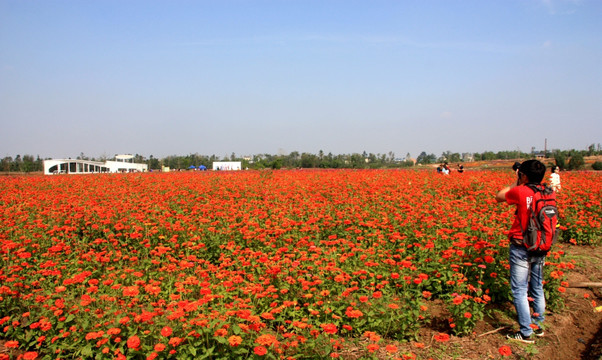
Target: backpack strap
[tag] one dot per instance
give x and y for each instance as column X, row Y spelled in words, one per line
column 535, row 189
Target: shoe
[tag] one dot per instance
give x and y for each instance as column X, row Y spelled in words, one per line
column 518, row 336
column 538, row 332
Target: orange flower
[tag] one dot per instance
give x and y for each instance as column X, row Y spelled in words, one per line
column 442, row 337
column 30, row 355
column 234, row 340
column 329, row 328
column 166, row 331
column 260, row 350
column 175, row 341
column 130, row 291
column 114, row 331
column 266, row 340
column 372, row 347
column 391, row 348
column 133, row 342
column 220, row 333
column 505, row 350
column 11, row 344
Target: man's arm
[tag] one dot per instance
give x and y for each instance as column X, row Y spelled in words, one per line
column 501, row 195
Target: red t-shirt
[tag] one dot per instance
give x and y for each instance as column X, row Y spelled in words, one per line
column 521, row 196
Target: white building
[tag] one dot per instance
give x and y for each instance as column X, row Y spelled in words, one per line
column 122, row 163
column 227, row 165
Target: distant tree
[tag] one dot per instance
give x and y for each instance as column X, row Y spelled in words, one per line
column 488, row 155
column 576, row 162
column 276, row 163
column 423, row 158
column 7, row 163
column 16, row 165
column 560, row 160
column 309, row 160
column 358, row 161
column 28, row 164
column 153, row 163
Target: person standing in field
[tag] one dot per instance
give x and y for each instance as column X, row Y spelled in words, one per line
column 555, row 179
column 526, row 270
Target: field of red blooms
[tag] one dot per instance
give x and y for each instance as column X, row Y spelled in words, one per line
column 262, row 264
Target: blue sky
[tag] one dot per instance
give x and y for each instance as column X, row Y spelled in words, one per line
column 251, row 77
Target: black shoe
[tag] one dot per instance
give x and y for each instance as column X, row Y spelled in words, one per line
column 518, row 336
column 539, row 332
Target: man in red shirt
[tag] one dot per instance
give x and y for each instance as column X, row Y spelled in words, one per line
column 526, row 270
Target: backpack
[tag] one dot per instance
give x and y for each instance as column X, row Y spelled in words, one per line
column 543, row 216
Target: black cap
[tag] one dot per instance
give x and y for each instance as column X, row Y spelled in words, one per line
column 515, row 166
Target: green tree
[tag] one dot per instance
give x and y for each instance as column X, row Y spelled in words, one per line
column 576, row 162
column 28, row 164
column 309, row 160
column 560, row 160
column 153, row 163
column 425, row 159
column 7, row 163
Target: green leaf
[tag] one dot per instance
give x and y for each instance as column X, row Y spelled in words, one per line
column 87, row 351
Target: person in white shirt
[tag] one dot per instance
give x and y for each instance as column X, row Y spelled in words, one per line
column 555, row 179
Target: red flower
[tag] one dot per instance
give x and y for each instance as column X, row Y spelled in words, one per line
column 234, row 340
column 442, row 337
column 133, row 342
column 329, row 328
column 130, row 291
column 372, row 347
column 260, row 350
column 11, row 344
column 30, row 355
column 175, row 341
column 266, row 340
column 166, row 331
column 505, row 350
column 391, row 349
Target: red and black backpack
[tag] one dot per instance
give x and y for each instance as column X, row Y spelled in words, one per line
column 540, row 234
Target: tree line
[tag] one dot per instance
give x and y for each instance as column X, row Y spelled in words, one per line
column 565, row 159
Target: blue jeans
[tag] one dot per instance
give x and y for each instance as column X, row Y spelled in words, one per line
column 526, row 276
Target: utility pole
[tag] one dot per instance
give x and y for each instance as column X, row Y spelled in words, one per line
column 545, row 149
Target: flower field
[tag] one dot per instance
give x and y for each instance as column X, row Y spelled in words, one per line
column 259, row 264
